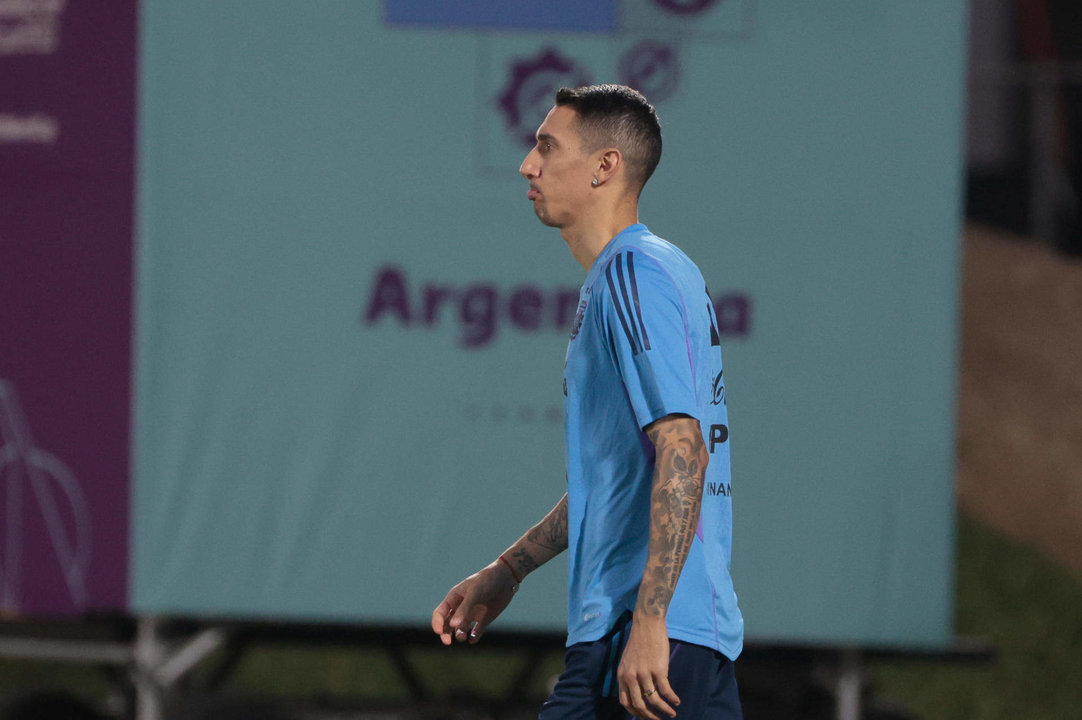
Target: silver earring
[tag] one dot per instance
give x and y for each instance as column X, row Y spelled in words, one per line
column 595, row 183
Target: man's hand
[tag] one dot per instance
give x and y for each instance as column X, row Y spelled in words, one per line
column 479, row 599
column 679, row 468
column 643, row 674
column 475, row 602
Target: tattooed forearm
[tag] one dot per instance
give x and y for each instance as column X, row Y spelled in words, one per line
column 551, row 532
column 544, row 541
column 681, row 460
column 524, row 562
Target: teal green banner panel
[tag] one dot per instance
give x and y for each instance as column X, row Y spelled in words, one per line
column 351, row 327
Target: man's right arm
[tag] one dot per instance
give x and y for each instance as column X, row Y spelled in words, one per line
column 479, row 599
column 544, row 541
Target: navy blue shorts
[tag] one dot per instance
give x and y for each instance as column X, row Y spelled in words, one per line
column 702, row 678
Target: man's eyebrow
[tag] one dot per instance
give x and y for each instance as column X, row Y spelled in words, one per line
column 545, row 137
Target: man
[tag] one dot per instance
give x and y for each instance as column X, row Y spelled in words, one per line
column 653, row 624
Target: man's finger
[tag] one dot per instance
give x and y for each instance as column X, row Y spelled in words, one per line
column 477, row 624
column 439, row 625
column 626, row 699
column 643, row 710
column 664, row 690
column 636, row 702
column 657, row 700
column 439, row 622
column 440, row 615
column 438, row 618
column 462, row 609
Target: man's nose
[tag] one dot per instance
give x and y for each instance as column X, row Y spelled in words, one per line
column 528, row 168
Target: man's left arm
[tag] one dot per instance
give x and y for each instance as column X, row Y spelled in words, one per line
column 680, row 465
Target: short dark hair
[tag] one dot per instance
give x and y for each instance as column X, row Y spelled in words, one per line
column 620, row 117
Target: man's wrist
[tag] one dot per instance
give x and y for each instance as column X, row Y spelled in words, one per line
column 652, row 605
column 648, row 619
column 511, row 569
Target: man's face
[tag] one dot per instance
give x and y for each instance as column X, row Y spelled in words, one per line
column 558, row 169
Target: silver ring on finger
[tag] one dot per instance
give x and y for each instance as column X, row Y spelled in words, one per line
column 648, row 693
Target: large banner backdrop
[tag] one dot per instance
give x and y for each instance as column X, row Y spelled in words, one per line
column 350, row 327
column 67, row 118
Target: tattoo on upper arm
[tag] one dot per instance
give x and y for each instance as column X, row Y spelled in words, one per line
column 675, row 499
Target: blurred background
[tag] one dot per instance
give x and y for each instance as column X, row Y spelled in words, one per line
column 281, row 346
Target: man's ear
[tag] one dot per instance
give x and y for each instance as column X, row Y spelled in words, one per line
column 609, row 161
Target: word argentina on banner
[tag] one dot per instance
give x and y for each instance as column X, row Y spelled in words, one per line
column 481, row 308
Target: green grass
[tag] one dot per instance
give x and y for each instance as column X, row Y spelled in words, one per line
column 369, row 675
column 1031, row 610
column 18, row 677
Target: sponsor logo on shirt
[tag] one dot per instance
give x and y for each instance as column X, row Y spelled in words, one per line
column 579, row 314
column 718, row 434
column 719, row 389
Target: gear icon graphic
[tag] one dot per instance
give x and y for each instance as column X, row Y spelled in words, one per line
column 530, row 89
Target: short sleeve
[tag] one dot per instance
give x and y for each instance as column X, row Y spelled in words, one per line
column 646, row 323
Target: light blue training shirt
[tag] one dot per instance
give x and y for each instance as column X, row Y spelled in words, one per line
column 644, row 344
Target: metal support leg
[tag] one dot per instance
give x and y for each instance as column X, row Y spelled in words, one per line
column 160, row 665
column 149, row 651
column 847, row 692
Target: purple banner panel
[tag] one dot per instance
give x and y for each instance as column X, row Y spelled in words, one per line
column 67, row 105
